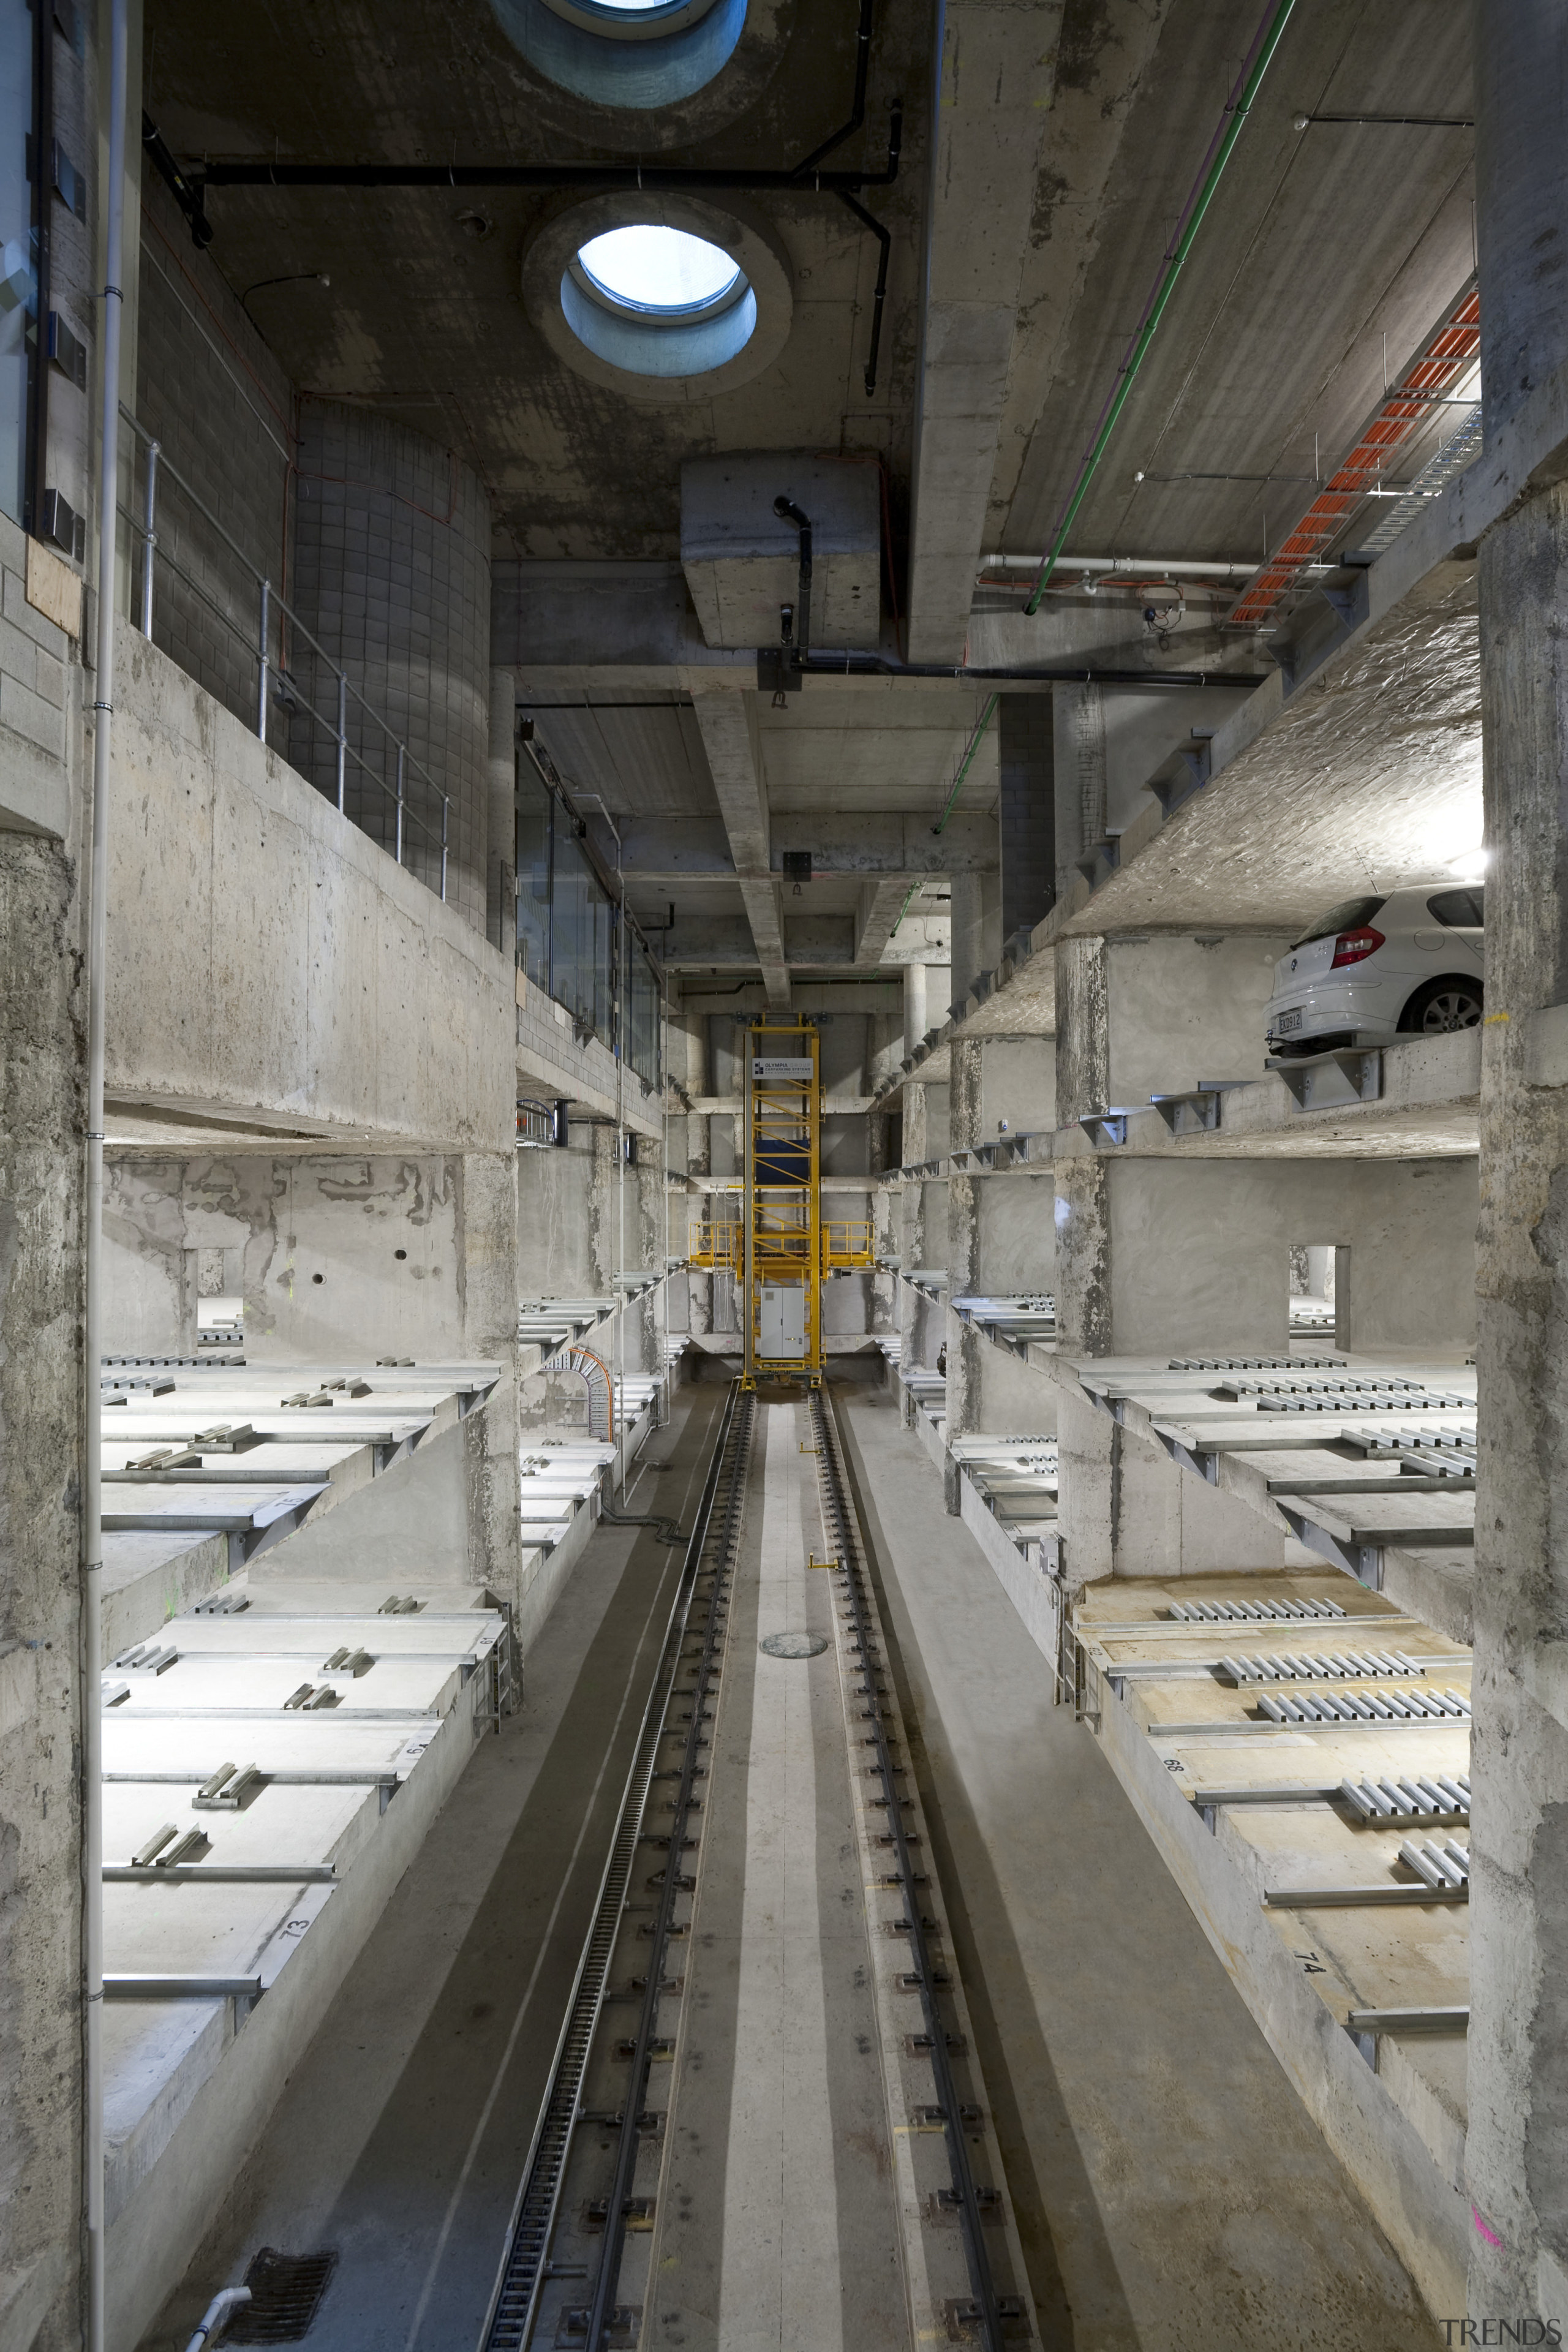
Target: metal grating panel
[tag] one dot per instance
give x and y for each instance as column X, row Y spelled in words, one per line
column 285, row 2292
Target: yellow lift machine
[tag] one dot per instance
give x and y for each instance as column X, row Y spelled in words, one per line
column 779, row 1248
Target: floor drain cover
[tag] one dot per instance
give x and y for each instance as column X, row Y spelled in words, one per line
column 794, row 1645
column 286, row 2293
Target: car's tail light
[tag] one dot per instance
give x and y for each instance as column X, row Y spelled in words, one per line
column 1354, row 946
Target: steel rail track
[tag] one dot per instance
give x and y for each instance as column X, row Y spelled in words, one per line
column 524, row 2267
column 845, row 1533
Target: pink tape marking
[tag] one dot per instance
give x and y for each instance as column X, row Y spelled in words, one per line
column 1490, row 2236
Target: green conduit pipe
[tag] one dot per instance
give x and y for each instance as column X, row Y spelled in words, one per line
column 904, row 909
column 1162, row 293
column 964, row 765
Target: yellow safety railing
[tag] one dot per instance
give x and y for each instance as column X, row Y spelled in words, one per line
column 847, row 1241
column 717, row 1241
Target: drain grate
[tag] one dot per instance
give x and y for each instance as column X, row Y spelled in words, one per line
column 286, row 2293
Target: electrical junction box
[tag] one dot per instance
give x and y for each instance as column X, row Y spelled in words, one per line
column 781, row 1324
column 742, row 561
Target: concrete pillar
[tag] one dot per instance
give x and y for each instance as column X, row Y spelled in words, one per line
column 1516, row 2143
column 392, row 573
column 42, row 1387
column 916, row 1019
column 968, row 933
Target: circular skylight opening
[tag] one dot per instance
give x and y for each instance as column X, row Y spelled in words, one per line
column 663, row 297
column 644, row 54
column 658, row 272
column 657, row 300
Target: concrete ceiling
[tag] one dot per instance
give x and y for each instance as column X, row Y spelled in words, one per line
column 1047, row 152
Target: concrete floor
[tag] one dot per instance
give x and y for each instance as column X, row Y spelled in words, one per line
column 779, row 2124
column 1173, row 2192
column 400, row 2139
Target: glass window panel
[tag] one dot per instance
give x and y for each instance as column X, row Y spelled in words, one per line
column 18, row 250
column 534, row 828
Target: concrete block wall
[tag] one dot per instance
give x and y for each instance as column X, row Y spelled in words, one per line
column 391, row 576
column 40, row 697
column 211, row 392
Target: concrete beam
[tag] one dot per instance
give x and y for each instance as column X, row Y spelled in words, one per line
column 993, row 105
column 888, row 841
column 728, row 726
column 881, row 904
column 675, row 849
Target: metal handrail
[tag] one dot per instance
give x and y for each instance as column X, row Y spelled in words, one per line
column 260, row 651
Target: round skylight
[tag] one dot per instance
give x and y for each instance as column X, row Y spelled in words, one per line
column 661, row 272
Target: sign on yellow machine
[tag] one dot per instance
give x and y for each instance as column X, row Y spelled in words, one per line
column 778, row 1248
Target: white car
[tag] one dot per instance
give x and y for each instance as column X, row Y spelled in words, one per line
column 1373, row 970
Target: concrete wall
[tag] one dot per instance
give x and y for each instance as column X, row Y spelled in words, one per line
column 1018, row 1083
column 1199, row 1253
column 1179, row 1009
column 1016, row 1246
column 267, row 960
column 344, row 1260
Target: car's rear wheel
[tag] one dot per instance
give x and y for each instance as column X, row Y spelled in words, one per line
column 1442, row 1006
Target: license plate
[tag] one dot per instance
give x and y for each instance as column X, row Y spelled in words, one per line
column 1289, row 1024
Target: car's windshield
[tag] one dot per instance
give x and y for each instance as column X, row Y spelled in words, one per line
column 1348, row 916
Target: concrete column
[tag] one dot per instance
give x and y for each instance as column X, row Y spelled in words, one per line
column 1083, row 1037
column 1517, row 2142
column 967, row 932
column 1517, row 2149
column 42, row 1388
column 392, row 573
column 916, row 1019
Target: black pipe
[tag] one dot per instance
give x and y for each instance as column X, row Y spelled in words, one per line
column 643, row 177
column 878, row 666
column 668, row 1533
column 787, row 511
column 187, row 193
column 857, row 110
column 885, row 239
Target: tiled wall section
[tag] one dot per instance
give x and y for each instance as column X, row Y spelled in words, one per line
column 392, row 573
column 1028, row 810
column 211, row 392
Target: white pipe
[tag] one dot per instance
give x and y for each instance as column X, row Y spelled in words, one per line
column 216, row 2315
column 1137, row 567
column 92, row 1208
